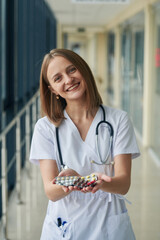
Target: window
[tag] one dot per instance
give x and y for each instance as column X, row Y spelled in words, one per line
column 111, row 61
column 132, row 58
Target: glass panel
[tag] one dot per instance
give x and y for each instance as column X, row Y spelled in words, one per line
column 0, row 72
column 132, row 60
column 111, row 46
column 126, row 69
column 137, row 81
column 157, row 57
column 156, row 97
column 2, row 63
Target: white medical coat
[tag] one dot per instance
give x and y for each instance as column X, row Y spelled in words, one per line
column 89, row 216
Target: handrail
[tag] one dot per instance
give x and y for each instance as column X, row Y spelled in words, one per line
column 34, row 102
column 12, row 123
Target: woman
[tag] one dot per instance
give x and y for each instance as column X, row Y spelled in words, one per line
column 71, row 103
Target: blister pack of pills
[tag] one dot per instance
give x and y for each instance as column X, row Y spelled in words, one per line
column 79, row 182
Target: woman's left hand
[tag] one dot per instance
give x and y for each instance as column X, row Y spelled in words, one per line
column 101, row 179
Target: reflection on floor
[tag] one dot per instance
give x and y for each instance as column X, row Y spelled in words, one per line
column 145, row 197
column 25, row 221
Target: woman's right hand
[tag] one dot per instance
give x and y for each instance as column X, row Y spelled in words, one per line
column 68, row 172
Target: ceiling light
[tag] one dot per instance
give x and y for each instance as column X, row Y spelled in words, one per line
column 100, row 1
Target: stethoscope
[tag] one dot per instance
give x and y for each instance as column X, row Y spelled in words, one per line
column 109, row 152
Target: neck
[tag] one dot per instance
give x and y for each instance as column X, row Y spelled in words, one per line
column 77, row 111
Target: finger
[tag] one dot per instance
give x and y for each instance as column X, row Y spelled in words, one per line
column 76, row 188
column 62, row 174
column 95, row 189
column 65, row 189
column 83, row 190
column 71, row 188
column 66, row 172
column 106, row 178
column 88, row 189
column 54, row 181
column 98, row 182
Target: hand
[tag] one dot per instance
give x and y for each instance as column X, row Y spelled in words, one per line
column 68, row 172
column 101, row 179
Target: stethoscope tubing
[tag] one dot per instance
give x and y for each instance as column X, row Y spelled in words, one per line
column 111, row 128
column 59, row 148
column 97, row 128
column 110, row 140
column 109, row 150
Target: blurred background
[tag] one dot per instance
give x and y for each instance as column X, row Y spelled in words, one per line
column 120, row 40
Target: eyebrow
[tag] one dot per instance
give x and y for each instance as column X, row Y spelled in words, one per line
column 59, row 73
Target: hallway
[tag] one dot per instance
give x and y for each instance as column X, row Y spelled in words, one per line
column 120, row 41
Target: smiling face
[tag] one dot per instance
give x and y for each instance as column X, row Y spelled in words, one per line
column 65, row 73
column 66, row 80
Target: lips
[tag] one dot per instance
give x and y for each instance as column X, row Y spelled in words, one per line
column 73, row 87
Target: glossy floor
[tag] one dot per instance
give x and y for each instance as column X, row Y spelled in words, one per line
column 25, row 220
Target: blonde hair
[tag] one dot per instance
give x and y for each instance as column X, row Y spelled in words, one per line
column 53, row 108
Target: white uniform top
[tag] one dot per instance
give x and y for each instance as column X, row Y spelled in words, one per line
column 89, row 216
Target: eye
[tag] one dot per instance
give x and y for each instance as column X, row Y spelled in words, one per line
column 58, row 78
column 72, row 69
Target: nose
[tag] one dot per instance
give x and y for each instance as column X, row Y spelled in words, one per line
column 68, row 79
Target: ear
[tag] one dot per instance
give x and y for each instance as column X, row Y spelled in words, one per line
column 52, row 90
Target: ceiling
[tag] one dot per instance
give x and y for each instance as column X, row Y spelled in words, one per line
column 81, row 15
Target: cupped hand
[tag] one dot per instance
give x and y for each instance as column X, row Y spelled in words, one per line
column 68, row 172
column 101, row 179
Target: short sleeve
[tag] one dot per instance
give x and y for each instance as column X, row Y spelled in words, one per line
column 42, row 144
column 125, row 139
